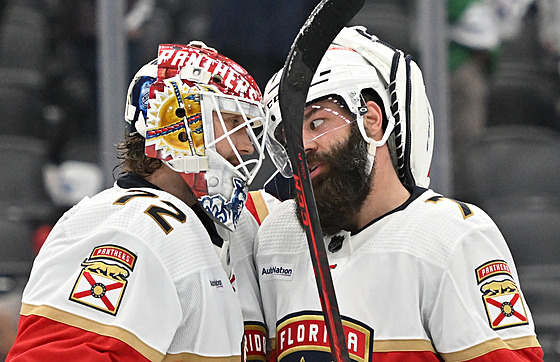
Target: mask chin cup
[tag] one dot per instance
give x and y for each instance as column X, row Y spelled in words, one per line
column 225, row 199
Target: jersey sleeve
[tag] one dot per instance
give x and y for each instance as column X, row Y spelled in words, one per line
column 153, row 290
column 96, row 292
column 67, row 343
column 480, row 313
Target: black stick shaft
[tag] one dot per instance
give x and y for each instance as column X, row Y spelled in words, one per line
column 322, row 26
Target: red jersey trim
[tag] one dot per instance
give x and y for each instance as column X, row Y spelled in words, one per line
column 501, row 350
column 257, row 206
column 42, row 339
column 88, row 325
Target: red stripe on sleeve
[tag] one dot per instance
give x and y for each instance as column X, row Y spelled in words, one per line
column 250, row 205
column 42, row 339
column 531, row 354
column 521, row 355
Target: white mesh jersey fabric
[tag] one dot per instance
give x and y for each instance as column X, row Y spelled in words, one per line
column 177, row 297
column 212, row 314
column 243, row 276
column 243, row 263
column 411, row 276
column 282, row 233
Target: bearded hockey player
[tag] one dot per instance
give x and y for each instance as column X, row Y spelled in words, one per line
column 418, row 276
column 144, row 271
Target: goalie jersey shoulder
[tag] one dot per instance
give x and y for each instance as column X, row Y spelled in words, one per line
column 156, row 218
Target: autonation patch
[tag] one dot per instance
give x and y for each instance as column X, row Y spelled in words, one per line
column 277, row 271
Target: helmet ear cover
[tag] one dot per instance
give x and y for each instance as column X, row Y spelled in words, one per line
column 136, row 107
column 344, row 71
column 410, row 109
column 369, row 94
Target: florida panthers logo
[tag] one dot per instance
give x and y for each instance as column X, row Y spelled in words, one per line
column 303, row 336
column 501, row 297
column 108, row 270
column 103, row 279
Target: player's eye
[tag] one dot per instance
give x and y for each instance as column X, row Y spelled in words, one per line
column 314, row 124
column 233, row 122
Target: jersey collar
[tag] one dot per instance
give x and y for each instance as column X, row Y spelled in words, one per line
column 415, row 192
column 132, row 180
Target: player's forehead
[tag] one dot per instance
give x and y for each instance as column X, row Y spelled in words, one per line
column 227, row 114
column 327, row 106
column 332, row 104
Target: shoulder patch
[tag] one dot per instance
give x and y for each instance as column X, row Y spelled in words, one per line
column 102, row 281
column 492, row 268
column 501, row 298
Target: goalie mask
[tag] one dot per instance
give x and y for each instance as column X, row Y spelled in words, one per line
column 355, row 62
column 190, row 103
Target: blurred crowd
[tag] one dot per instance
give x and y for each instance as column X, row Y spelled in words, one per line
column 504, row 58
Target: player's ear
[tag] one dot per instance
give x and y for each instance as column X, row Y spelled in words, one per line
column 373, row 121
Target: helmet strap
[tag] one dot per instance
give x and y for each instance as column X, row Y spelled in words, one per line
column 371, row 148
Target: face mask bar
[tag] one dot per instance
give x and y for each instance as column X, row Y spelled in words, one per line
column 253, row 120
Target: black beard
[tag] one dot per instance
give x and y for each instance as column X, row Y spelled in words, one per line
column 341, row 189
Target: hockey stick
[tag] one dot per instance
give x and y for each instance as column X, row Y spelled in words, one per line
column 314, row 38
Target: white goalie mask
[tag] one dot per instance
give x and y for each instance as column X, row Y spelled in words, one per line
column 355, row 62
column 191, row 103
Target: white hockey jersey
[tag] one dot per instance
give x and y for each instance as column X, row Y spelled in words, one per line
column 132, row 274
column 240, row 259
column 430, row 280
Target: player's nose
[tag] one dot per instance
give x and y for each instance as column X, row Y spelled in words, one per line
column 243, row 143
column 309, row 143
